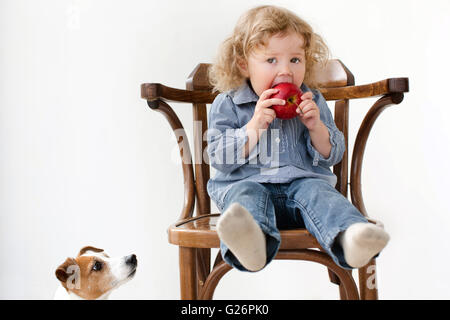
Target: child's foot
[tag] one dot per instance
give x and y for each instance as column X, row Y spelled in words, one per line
column 361, row 242
column 243, row 236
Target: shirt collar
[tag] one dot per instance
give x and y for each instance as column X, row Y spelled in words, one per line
column 245, row 94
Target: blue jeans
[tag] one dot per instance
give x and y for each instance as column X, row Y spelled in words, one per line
column 303, row 203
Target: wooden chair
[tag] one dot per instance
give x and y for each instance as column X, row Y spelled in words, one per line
column 196, row 235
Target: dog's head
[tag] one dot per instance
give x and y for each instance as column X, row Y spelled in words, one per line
column 93, row 274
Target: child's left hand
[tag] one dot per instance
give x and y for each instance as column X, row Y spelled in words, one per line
column 310, row 115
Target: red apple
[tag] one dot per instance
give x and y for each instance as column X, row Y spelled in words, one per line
column 291, row 94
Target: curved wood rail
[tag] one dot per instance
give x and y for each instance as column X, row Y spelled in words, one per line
column 393, row 85
column 155, row 91
column 185, row 154
column 346, row 280
column 360, row 145
column 213, row 279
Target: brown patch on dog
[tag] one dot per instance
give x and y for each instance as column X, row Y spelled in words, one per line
column 77, row 276
column 67, row 270
column 93, row 283
column 89, row 248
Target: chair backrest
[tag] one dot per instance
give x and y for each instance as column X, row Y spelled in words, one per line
column 335, row 74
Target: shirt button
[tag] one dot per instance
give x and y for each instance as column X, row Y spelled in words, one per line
column 277, row 140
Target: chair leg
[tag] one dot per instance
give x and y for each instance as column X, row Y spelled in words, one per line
column 334, row 279
column 188, row 273
column 203, row 267
column 342, row 293
column 368, row 281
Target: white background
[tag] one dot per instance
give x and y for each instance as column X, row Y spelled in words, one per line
column 84, row 161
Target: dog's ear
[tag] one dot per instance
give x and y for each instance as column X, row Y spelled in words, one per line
column 89, row 248
column 65, row 270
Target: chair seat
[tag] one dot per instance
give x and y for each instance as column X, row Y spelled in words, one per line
column 200, row 232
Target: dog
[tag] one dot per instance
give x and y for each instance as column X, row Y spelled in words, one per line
column 93, row 275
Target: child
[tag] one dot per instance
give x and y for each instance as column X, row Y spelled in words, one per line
column 274, row 174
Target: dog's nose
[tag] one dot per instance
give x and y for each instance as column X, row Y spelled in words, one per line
column 131, row 259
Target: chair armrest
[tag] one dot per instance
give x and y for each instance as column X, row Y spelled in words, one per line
column 185, row 154
column 392, row 91
column 383, row 87
column 157, row 91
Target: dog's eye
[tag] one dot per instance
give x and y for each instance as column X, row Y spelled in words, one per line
column 97, row 266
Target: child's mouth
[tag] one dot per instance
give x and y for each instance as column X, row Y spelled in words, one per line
column 281, row 80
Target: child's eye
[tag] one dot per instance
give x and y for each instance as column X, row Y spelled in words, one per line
column 271, row 60
column 295, row 60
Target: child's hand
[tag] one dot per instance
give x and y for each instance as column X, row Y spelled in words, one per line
column 310, row 115
column 264, row 115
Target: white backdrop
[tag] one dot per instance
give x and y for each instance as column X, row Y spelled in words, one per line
column 84, row 161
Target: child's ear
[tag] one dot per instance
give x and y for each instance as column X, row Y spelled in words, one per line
column 243, row 67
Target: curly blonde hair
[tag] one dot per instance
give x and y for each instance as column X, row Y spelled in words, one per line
column 252, row 30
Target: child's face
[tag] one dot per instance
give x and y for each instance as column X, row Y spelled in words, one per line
column 282, row 60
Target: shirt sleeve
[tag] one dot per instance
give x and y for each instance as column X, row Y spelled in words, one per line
column 337, row 139
column 226, row 139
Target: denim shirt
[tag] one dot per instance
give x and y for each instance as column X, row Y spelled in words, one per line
column 283, row 153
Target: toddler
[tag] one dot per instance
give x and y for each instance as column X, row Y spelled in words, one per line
column 274, row 174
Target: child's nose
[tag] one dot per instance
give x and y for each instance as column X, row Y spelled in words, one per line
column 285, row 70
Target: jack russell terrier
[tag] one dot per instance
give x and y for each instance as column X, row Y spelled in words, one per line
column 93, row 274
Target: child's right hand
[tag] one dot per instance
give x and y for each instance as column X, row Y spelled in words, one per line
column 264, row 115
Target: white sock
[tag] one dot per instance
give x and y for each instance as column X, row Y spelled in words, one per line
column 361, row 242
column 243, row 236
